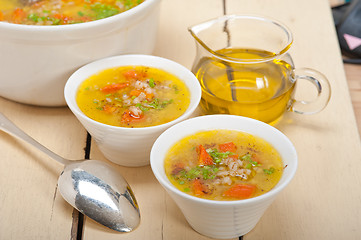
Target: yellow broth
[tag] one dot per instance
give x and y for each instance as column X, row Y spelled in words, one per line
column 133, row 96
column 223, row 165
column 62, row 12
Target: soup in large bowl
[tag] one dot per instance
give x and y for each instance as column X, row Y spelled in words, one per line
column 37, row 59
column 61, row 12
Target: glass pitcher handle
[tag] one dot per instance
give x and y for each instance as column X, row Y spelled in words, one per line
column 323, row 92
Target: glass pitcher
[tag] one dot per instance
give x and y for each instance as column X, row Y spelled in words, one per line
column 244, row 68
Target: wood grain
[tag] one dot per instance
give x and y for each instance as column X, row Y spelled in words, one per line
column 31, row 206
column 353, row 76
column 322, row 202
column 309, row 204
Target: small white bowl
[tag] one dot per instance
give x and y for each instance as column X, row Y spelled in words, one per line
column 222, row 219
column 128, row 146
column 36, row 61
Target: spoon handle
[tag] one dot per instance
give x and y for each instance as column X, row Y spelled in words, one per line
column 9, row 127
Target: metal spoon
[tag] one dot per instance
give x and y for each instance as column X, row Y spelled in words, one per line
column 93, row 187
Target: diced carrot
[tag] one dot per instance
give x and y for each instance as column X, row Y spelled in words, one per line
column 18, row 15
column 86, row 19
column 65, row 19
column 128, row 117
column 109, row 108
column 113, row 87
column 58, row 16
column 234, row 157
column 255, row 158
column 131, row 74
column 135, row 92
column 240, row 191
column 203, row 157
column 227, row 147
column 149, row 96
column 198, row 188
column 179, row 166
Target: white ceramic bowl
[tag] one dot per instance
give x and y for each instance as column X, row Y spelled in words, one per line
column 36, row 61
column 128, row 146
column 222, row 219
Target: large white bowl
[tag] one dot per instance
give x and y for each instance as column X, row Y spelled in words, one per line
column 36, row 61
column 129, row 146
column 222, row 219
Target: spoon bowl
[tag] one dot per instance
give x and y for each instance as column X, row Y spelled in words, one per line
column 93, row 187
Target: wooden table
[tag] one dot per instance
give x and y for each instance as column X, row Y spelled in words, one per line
column 322, row 202
column 353, row 75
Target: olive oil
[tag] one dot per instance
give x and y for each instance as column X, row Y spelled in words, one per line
column 257, row 87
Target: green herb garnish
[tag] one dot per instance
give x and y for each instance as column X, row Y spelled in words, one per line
column 33, row 17
column 144, row 109
column 176, row 90
column 217, row 155
column 156, row 104
column 103, row 10
column 151, row 83
column 269, row 171
column 248, row 157
column 204, row 172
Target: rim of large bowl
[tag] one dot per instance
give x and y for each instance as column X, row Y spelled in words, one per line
column 75, row 109
column 71, row 27
column 166, row 184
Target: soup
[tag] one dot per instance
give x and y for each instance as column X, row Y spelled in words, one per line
column 133, row 96
column 223, row 165
column 61, row 12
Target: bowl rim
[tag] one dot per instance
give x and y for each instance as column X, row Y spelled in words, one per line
column 78, row 26
column 76, row 79
column 220, row 118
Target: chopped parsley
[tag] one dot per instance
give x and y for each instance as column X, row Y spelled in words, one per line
column 269, row 171
column 217, row 155
column 204, row 172
column 158, row 104
column 151, row 83
column 103, row 10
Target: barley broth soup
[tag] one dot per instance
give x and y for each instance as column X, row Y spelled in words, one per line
column 62, row 12
column 223, row 165
column 133, row 96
